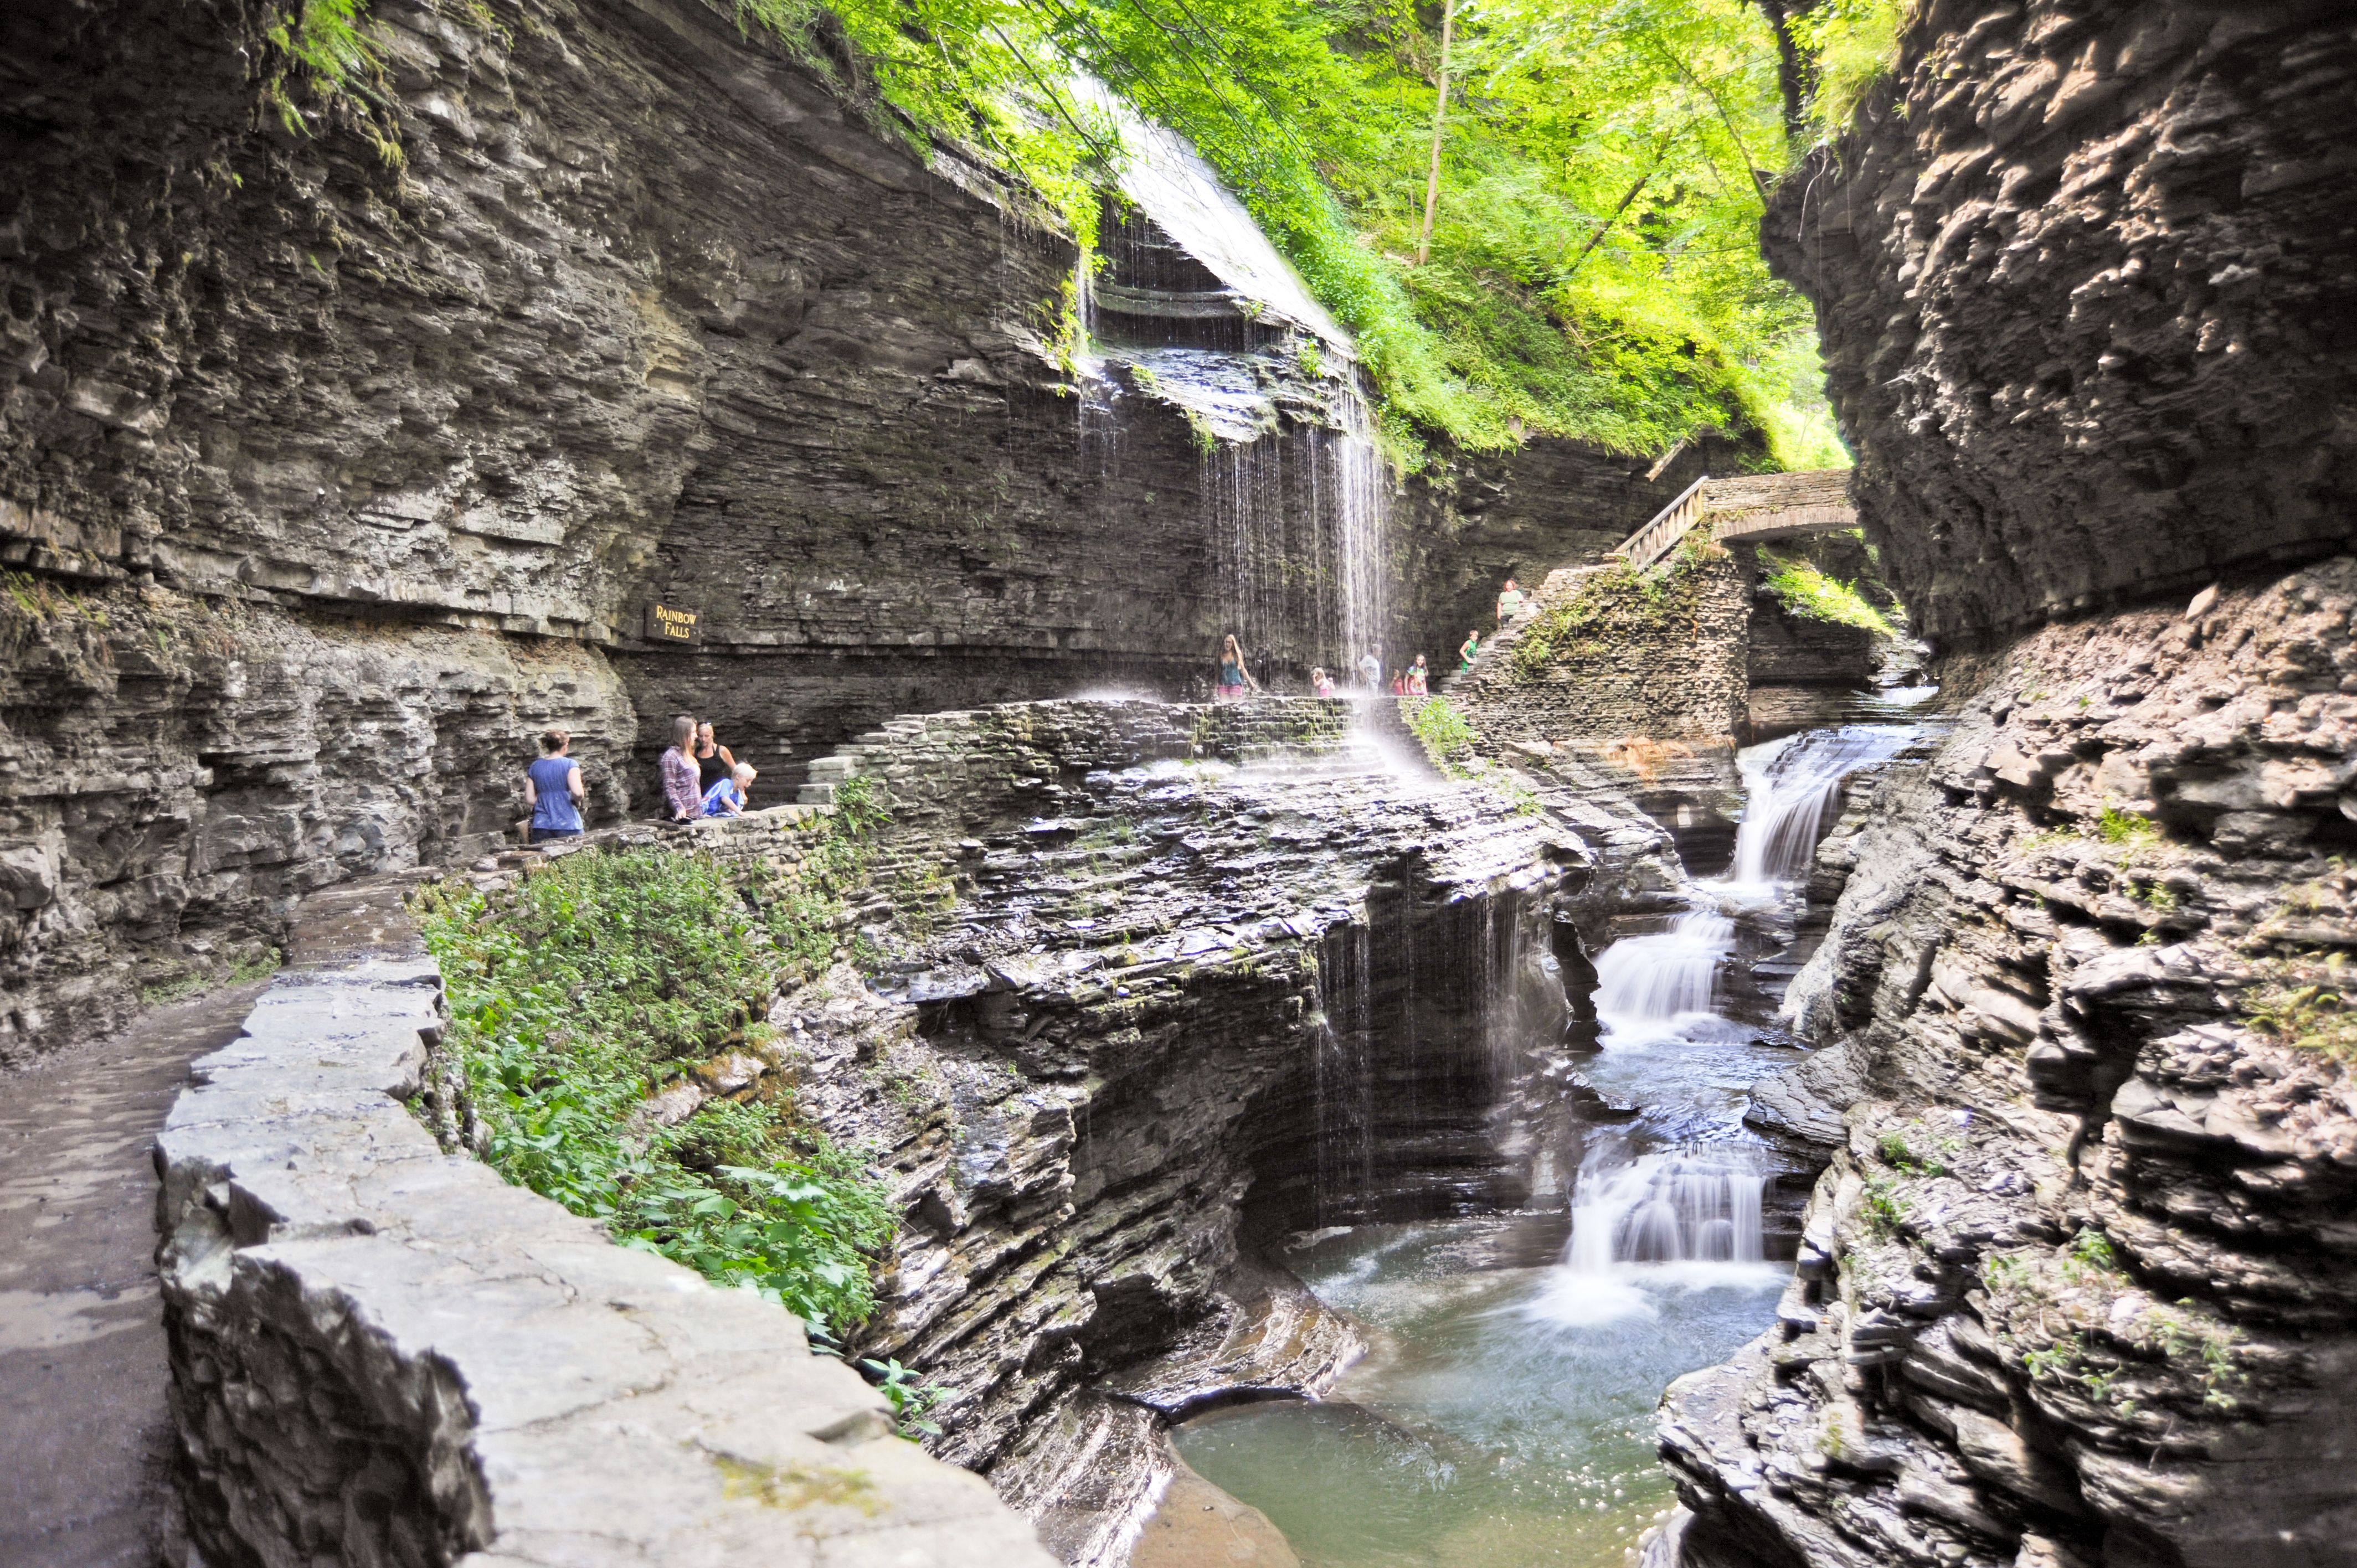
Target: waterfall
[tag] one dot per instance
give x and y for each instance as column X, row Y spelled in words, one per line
column 1695, row 1205
column 1360, row 491
column 1647, row 987
column 1793, row 789
column 1686, row 1218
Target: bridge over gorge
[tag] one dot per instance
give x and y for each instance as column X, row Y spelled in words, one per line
column 1757, row 508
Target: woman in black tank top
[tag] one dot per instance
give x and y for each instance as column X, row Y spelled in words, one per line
column 713, row 762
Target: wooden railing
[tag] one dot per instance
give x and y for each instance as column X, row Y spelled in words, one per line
column 1669, row 525
column 1759, row 507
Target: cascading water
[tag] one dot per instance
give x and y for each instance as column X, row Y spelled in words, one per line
column 1208, row 319
column 1652, row 987
column 1695, row 1205
column 1793, row 791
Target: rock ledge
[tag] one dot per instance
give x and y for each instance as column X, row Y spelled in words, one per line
column 382, row 1353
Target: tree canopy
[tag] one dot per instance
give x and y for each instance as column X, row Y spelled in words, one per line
column 1595, row 270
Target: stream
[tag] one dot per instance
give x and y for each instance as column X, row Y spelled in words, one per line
column 1503, row 1415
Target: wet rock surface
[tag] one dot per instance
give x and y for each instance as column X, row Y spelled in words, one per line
column 2083, row 276
column 1154, row 983
column 2077, row 1288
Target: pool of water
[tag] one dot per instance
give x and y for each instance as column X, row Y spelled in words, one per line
column 1503, row 1418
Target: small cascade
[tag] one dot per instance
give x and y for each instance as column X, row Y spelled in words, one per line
column 1650, row 987
column 1793, row 789
column 1686, row 1218
column 1344, row 1082
column 1693, row 1204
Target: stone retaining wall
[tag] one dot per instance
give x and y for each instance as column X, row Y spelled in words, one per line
column 381, row 1353
column 1679, row 674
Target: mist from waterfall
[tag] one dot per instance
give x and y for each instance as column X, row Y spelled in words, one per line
column 1793, row 791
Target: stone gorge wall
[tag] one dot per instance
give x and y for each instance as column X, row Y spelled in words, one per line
column 2075, row 1290
column 1135, row 995
column 2078, row 1289
column 2089, row 303
column 175, row 772
column 409, row 444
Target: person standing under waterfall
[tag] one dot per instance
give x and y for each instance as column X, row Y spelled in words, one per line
column 1471, row 651
column 552, row 788
column 1321, row 684
column 683, row 797
column 1510, row 602
column 1235, row 680
column 1370, row 669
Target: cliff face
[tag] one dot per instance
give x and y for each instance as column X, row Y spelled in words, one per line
column 634, row 310
column 2076, row 1288
column 2083, row 275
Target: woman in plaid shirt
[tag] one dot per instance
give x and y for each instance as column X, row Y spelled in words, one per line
column 683, row 790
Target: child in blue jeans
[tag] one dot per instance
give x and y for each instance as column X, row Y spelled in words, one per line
column 726, row 796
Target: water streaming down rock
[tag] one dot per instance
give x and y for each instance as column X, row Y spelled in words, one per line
column 1647, row 985
column 1695, row 1205
column 1793, row 791
column 1204, row 315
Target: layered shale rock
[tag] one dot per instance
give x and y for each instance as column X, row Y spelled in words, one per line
column 1150, row 982
column 2079, row 1285
column 586, row 304
column 175, row 772
column 2085, row 280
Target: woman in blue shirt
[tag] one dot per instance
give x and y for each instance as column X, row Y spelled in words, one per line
column 552, row 788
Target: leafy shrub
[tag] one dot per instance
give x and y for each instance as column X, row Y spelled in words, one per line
column 1853, row 46
column 1442, row 730
column 576, row 994
column 1809, row 593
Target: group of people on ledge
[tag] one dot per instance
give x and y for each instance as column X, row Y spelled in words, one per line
column 700, row 779
column 1236, row 682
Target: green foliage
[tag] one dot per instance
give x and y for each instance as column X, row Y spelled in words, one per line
column 572, row 996
column 1901, row 1155
column 2093, row 1248
column 1853, row 45
column 913, row 1400
column 1594, row 268
column 1886, row 1211
column 2303, row 1001
column 2125, row 828
column 1446, row 737
column 1616, row 605
column 1809, row 593
column 326, row 45
column 804, row 913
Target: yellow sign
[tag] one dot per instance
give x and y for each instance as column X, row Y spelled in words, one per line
column 668, row 623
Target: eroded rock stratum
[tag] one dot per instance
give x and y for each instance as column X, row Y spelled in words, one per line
column 337, row 474
column 2084, row 278
column 2076, row 1287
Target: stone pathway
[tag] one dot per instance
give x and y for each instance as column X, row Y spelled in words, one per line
column 82, row 1418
